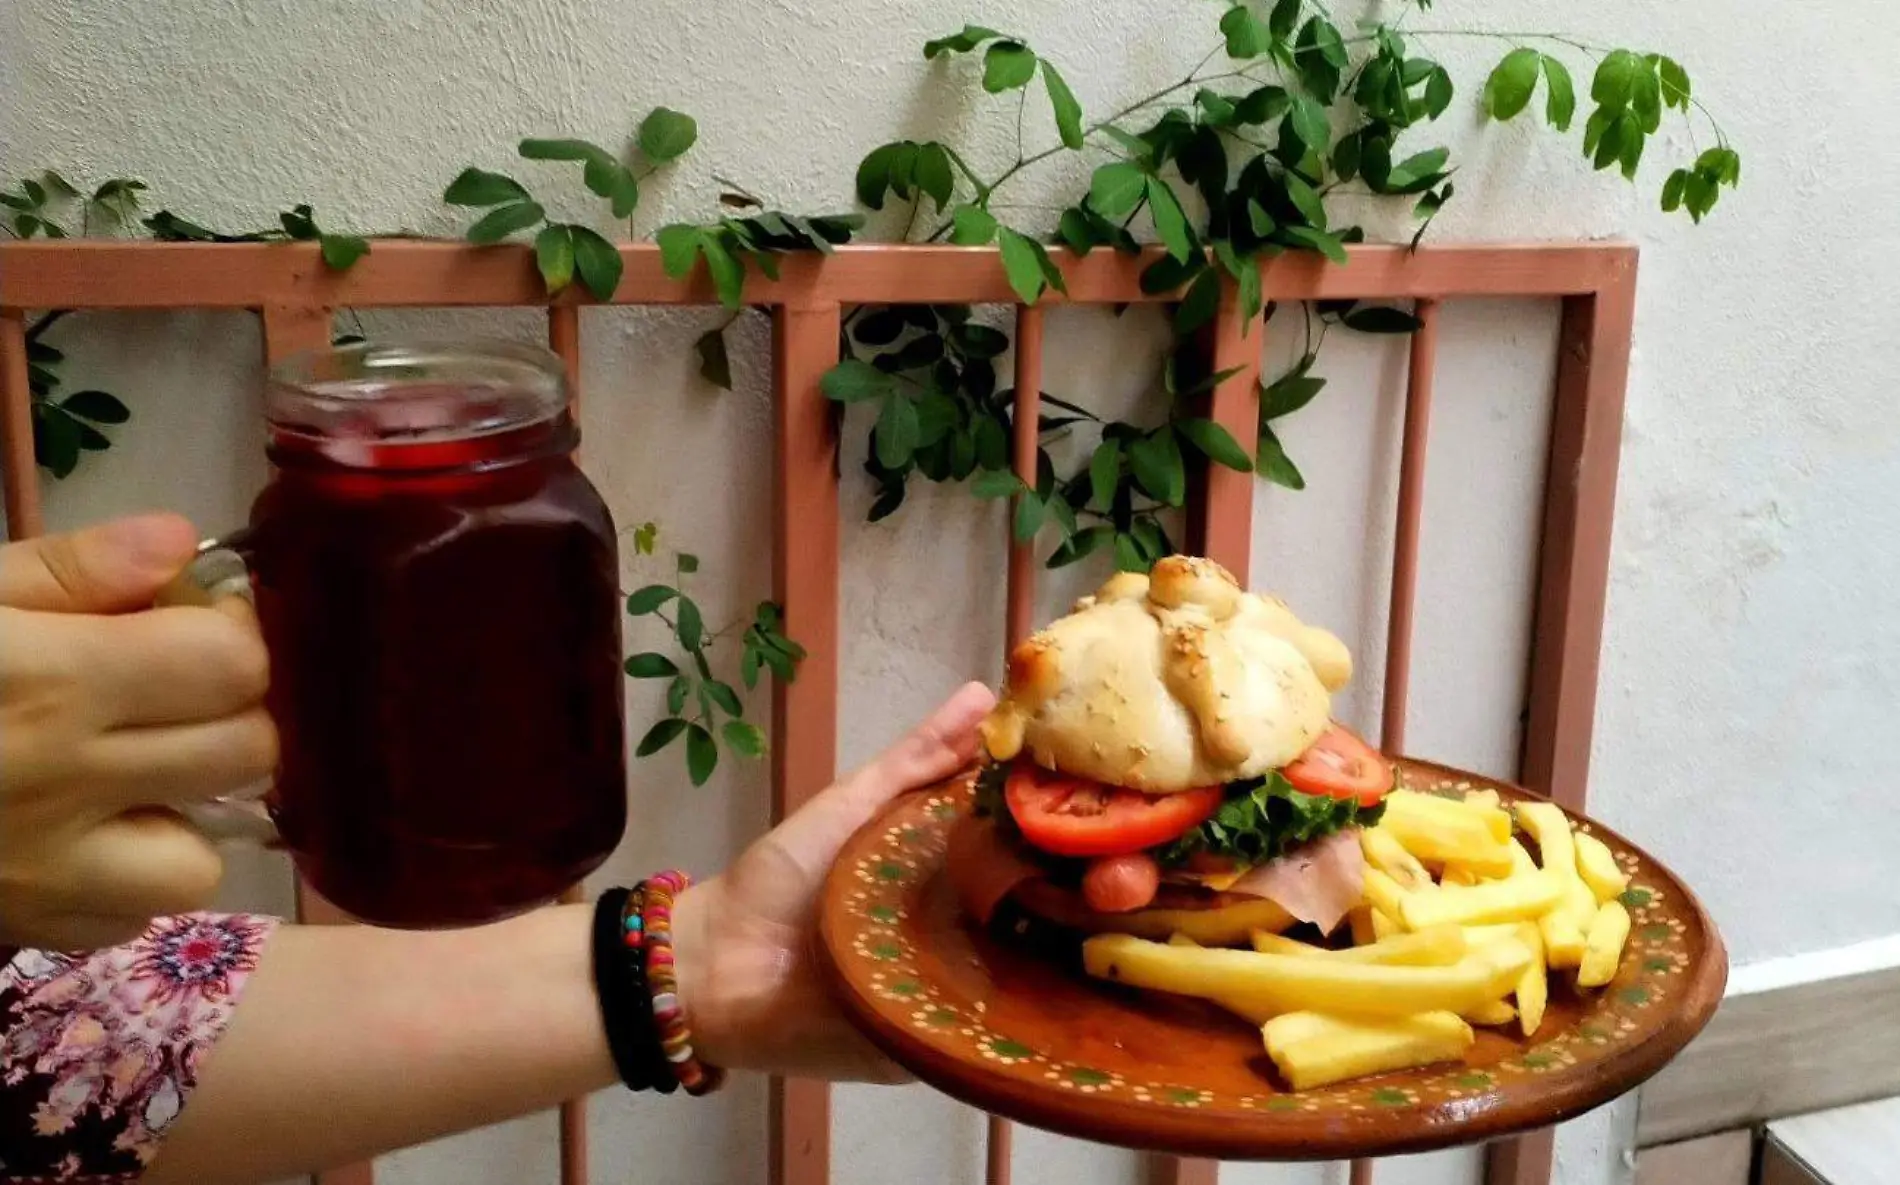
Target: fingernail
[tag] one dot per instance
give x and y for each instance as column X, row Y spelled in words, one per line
column 151, row 540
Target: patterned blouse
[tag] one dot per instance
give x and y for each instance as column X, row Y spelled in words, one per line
column 98, row 1052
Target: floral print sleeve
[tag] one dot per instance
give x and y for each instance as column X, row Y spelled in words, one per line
column 98, row 1052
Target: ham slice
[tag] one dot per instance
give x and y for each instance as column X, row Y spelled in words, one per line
column 1320, row 883
column 983, row 867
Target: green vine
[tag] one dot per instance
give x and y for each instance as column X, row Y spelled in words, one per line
column 1234, row 163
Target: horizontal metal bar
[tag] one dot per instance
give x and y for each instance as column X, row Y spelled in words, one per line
column 416, row 273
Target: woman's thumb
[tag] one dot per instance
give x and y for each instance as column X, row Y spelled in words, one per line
column 117, row 567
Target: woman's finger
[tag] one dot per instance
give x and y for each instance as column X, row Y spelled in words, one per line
column 116, row 567
column 943, row 744
column 142, row 864
column 180, row 762
column 174, row 666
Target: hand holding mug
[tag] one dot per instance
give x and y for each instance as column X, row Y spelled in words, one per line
column 111, row 711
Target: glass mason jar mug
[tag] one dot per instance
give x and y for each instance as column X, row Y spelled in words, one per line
column 438, row 587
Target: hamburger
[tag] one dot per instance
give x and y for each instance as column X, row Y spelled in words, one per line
column 1163, row 761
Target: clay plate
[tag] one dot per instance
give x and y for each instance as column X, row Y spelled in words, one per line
column 1019, row 1034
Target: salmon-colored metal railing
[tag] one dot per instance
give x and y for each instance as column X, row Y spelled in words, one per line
column 296, row 296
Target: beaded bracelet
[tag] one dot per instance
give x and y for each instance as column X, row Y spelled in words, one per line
column 652, row 927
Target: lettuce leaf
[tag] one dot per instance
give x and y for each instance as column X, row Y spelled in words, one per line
column 1262, row 819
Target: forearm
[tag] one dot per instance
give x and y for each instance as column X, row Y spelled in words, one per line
column 350, row 1041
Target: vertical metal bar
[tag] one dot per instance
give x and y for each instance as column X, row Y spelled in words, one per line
column 25, row 517
column 1398, row 644
column 805, row 713
column 1220, row 527
column 292, row 329
column 1027, row 420
column 1573, row 581
column 564, row 338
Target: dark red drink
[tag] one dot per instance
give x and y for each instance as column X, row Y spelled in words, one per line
column 438, row 586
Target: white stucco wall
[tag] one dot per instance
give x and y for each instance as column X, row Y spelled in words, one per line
column 1748, row 671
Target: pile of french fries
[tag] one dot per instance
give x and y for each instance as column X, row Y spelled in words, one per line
column 1459, row 926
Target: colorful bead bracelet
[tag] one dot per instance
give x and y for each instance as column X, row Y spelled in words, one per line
column 647, row 1029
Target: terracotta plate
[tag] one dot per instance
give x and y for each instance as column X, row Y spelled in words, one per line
column 1026, row 1037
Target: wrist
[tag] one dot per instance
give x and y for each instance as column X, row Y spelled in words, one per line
column 704, row 994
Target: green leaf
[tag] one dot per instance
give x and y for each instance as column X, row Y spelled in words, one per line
column 1262, row 104
column 728, row 274
column 1722, row 164
column 1310, row 123
column 747, row 740
column 298, row 224
column 1080, row 545
column 581, row 150
column 723, row 695
column 1318, row 240
column 97, row 406
column 1614, row 84
column 1068, row 112
column 971, row 37
column 1029, row 516
column 1105, row 473
column 679, row 245
column 647, row 600
column 1321, row 57
column 1116, row 189
column 676, row 693
column 659, row 736
column 554, row 255
column 1646, row 101
column 1007, row 65
column 1672, row 190
column 503, row 221
column 933, row 174
column 1285, row 17
column 1439, row 91
column 978, row 341
column 1170, row 221
column 1560, row 105
column 1128, row 557
column 1259, row 220
column 615, row 182
column 874, row 174
column 1675, row 83
column 1272, row 463
column 55, row 440
column 715, row 364
column 1215, row 443
column 598, row 262
column 1290, row 392
column 666, row 134
column 1247, row 35
column 1155, row 460
column 702, row 756
column 57, row 185
column 1508, row 91
column 897, row 433
column 1021, row 265
column 688, row 626
column 972, row 226
column 1380, row 319
column 652, row 666
column 476, row 187
column 1306, row 200
column 854, row 381
column 1199, row 303
column 92, row 440
column 996, row 483
column 687, row 562
column 340, row 252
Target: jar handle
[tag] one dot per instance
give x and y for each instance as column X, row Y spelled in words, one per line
column 221, row 571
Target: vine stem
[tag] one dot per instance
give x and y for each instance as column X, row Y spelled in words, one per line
column 45, row 323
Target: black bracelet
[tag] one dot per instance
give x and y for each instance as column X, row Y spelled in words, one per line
column 625, row 1012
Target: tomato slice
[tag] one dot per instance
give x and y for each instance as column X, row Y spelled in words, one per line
column 1340, row 765
column 1079, row 817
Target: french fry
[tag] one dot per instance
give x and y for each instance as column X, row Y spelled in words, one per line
column 1440, row 946
column 1363, row 930
column 1533, row 986
column 1447, row 840
column 1603, row 949
column 1521, row 861
column 1383, row 926
column 1494, row 1015
column 1286, row 983
column 1389, row 856
column 1597, row 866
column 1453, row 812
column 1383, row 894
column 1228, row 926
column 1488, row 798
column 1459, row 874
column 1312, row 1050
column 1520, row 897
column 1563, row 937
column 1486, row 935
column 1179, row 939
column 1564, row 925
